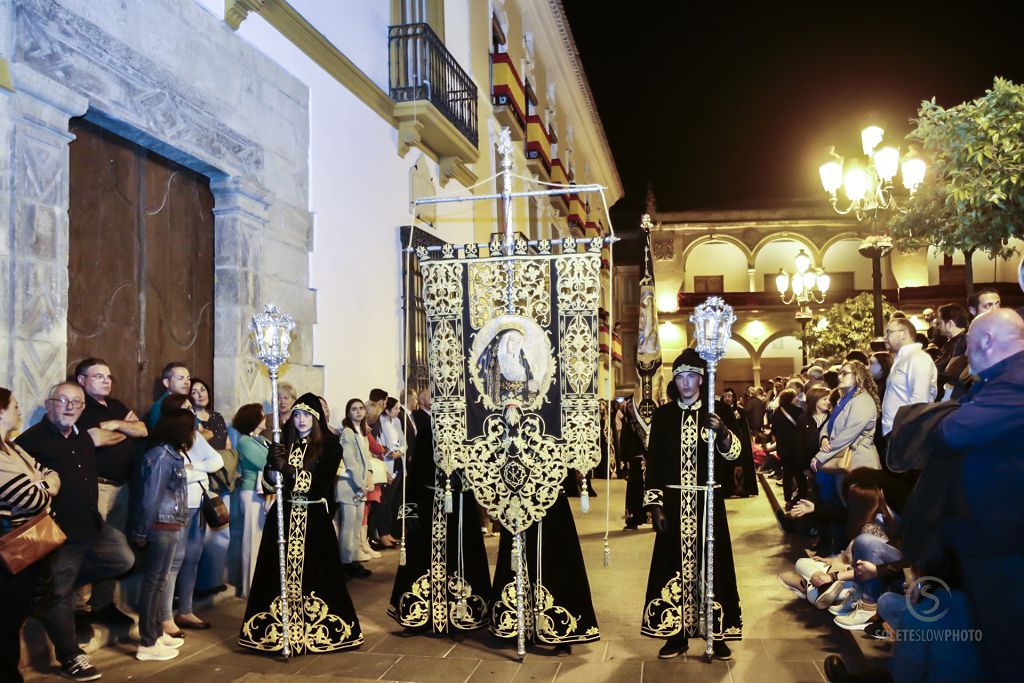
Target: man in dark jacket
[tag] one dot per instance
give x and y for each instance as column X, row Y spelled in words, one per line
column 94, row 549
column 987, row 430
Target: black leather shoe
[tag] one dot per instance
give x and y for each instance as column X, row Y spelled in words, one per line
column 720, row 650
column 836, row 672
column 673, row 648
column 563, row 650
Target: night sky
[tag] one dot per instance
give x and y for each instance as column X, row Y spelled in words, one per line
column 733, row 104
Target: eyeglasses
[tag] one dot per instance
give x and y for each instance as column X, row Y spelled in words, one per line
column 75, row 403
column 846, row 372
column 898, row 329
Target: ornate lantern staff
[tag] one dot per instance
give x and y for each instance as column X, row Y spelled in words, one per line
column 712, row 322
column 272, row 332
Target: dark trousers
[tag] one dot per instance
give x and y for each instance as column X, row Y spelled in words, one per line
column 382, row 514
column 75, row 563
column 997, row 606
column 16, row 591
column 793, row 478
column 156, row 563
column 635, row 514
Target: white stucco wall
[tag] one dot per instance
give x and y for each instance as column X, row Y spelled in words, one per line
column 359, row 195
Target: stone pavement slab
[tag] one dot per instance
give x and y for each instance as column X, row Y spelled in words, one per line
column 784, row 639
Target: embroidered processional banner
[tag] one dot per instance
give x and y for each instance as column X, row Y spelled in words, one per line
column 513, row 360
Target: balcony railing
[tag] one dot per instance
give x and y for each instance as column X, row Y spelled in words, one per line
column 423, row 69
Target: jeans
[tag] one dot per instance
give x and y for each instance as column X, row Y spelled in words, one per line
column 876, row 551
column 891, row 608
column 156, row 568
column 105, row 555
column 938, row 651
column 183, row 570
column 113, row 504
column 830, row 503
column 214, row 560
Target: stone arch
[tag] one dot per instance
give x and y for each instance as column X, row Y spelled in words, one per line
column 836, row 239
column 815, row 253
column 722, row 238
column 778, row 334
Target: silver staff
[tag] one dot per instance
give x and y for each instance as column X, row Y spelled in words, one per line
column 712, row 322
column 272, row 332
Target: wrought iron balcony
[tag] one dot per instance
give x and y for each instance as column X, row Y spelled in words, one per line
column 421, row 68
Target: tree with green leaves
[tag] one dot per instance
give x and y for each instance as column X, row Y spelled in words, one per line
column 973, row 196
column 849, row 326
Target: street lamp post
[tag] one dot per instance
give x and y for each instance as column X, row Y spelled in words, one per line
column 805, row 286
column 870, row 190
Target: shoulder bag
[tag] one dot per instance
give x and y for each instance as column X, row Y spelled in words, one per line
column 23, row 546
column 215, row 512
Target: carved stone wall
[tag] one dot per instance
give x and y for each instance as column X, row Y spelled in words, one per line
column 171, row 77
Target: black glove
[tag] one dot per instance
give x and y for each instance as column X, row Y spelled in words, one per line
column 658, row 518
column 277, row 455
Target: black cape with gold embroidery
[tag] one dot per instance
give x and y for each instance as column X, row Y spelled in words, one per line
column 558, row 599
column 677, row 453
column 430, row 591
column 321, row 615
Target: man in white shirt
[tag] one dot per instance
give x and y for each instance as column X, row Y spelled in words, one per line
column 913, row 374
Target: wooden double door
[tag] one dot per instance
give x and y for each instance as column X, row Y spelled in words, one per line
column 141, row 263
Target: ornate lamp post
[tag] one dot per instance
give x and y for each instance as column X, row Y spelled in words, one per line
column 869, row 188
column 712, row 322
column 805, row 286
column 272, row 334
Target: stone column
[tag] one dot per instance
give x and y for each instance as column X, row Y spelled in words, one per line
column 240, row 216
column 34, row 254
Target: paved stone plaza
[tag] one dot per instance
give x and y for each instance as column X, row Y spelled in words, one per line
column 784, row 639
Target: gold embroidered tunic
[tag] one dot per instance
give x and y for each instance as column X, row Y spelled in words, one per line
column 321, row 615
column 677, row 455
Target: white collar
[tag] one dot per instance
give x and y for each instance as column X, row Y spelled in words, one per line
column 909, row 348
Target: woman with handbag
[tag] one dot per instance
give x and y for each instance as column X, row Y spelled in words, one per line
column 392, row 438
column 846, row 440
column 26, row 489
column 214, row 560
column 159, row 521
column 200, row 460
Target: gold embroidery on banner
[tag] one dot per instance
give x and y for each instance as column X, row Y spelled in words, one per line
column 579, row 283
column 442, row 289
column 439, row 557
column 515, row 469
column 488, row 290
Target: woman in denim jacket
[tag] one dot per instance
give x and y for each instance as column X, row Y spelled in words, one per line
column 162, row 513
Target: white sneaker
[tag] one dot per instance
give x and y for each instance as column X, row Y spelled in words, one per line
column 829, row 595
column 858, row 619
column 846, row 604
column 155, row 653
column 793, row 582
column 170, row 641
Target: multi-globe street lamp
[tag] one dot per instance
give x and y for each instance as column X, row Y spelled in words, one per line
column 805, row 286
column 870, row 189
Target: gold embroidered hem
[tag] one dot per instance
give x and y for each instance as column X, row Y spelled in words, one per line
column 313, row 630
column 464, row 610
column 663, row 617
column 546, row 622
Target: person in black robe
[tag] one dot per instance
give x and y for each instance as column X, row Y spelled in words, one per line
column 445, row 583
column 633, row 450
column 559, row 610
column 320, row 612
column 743, row 482
column 677, row 455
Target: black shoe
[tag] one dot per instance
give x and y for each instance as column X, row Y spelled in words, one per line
column 78, row 668
column 112, row 616
column 673, row 648
column 563, row 650
column 720, row 650
column 836, row 672
column 357, row 570
column 876, row 629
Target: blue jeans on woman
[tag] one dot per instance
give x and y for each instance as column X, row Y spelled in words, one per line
column 831, row 505
column 156, row 563
column 876, row 551
column 186, row 563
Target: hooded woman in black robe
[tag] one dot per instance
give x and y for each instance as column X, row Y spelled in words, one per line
column 321, row 617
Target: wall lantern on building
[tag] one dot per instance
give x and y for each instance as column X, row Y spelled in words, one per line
column 870, row 189
column 807, row 285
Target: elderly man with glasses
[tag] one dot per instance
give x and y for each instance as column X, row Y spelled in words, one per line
column 94, row 550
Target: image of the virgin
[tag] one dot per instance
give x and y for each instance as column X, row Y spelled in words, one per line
column 505, row 371
column 648, row 341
